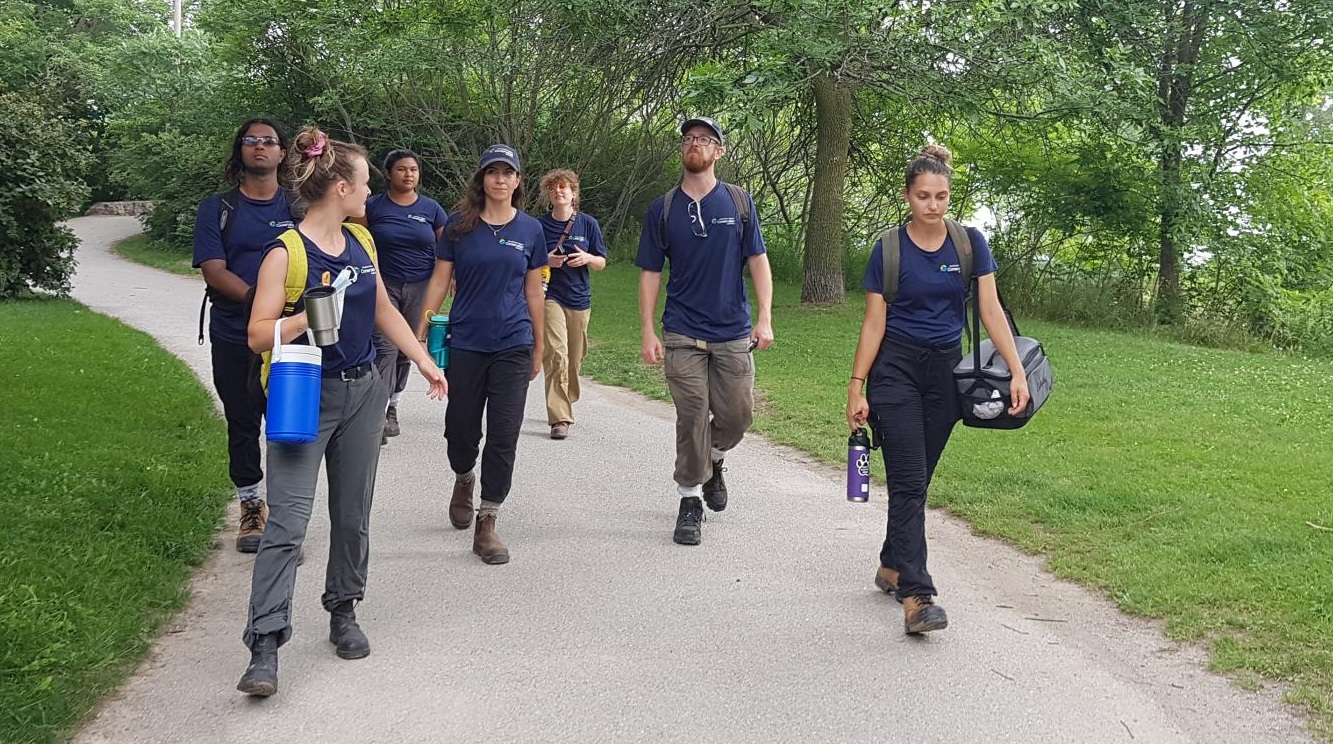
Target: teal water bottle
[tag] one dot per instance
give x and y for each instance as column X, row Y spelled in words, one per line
column 437, row 340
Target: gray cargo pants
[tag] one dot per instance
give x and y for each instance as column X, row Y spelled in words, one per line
column 408, row 297
column 712, row 384
column 351, row 417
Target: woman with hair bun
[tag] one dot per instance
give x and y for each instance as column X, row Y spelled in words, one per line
column 406, row 226
column 902, row 374
column 331, row 179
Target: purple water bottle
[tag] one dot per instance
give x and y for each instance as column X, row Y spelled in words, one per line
column 858, row 466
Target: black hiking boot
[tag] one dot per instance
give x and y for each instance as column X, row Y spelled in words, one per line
column 715, row 489
column 261, row 677
column 689, row 519
column 344, row 633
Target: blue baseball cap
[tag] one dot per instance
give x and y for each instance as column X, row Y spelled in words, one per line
column 500, row 154
column 703, row 121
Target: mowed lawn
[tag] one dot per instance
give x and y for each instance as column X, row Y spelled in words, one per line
column 112, row 482
column 1182, row 481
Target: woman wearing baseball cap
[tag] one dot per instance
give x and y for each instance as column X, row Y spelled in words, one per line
column 493, row 253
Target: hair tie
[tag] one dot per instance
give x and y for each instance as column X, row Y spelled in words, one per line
column 316, row 149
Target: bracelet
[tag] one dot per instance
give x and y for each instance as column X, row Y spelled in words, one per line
column 859, row 379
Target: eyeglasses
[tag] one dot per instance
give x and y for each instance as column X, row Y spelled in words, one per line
column 703, row 140
column 697, row 220
column 249, row 141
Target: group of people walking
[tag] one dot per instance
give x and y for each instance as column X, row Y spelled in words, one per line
column 521, row 306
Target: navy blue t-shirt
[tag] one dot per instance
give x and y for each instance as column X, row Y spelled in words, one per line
column 569, row 284
column 706, row 290
column 405, row 236
column 254, row 225
column 490, row 310
column 929, row 305
column 355, row 333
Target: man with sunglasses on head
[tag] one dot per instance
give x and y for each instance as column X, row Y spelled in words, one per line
column 230, row 232
column 709, row 232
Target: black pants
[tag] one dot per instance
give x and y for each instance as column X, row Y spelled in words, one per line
column 236, row 378
column 496, row 383
column 914, row 404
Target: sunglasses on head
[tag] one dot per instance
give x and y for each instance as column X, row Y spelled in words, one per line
column 256, row 141
column 697, row 220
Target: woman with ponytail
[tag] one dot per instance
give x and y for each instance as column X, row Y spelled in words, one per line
column 902, row 375
column 494, row 253
column 331, row 180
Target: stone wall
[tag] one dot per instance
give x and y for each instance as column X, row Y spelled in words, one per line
column 120, row 208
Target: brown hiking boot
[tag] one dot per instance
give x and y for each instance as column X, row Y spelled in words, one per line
column 922, row 615
column 254, row 515
column 460, row 505
column 887, row 581
column 486, row 543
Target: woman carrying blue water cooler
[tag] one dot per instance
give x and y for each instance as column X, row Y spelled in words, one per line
column 331, row 179
column 494, row 254
column 904, row 361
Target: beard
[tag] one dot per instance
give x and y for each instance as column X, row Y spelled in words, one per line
column 696, row 162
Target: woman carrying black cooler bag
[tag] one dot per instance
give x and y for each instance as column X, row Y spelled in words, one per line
column 905, row 361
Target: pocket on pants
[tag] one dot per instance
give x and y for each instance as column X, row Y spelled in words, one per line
column 735, row 359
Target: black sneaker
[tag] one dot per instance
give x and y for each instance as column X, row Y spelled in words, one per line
column 715, row 490
column 688, row 521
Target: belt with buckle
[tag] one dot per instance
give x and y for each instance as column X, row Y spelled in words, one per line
column 351, row 373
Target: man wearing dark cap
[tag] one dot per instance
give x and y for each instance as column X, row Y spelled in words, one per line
column 709, row 232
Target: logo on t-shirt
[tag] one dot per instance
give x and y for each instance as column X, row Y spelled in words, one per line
column 723, row 220
column 419, row 218
column 951, row 269
column 284, row 224
column 514, row 244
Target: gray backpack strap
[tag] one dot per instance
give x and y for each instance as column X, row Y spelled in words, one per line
column 962, row 243
column 666, row 210
column 741, row 198
column 892, row 258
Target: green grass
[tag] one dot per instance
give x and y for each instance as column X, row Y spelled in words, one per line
column 112, row 482
column 1179, row 480
column 141, row 249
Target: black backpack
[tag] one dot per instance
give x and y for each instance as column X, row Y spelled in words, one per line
column 226, row 210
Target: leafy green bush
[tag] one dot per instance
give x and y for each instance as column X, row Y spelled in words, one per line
column 176, row 171
column 41, row 161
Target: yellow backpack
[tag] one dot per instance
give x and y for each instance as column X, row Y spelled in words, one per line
column 298, row 270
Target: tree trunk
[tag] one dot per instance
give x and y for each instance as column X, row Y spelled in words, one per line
column 1168, row 258
column 822, row 282
column 1175, row 84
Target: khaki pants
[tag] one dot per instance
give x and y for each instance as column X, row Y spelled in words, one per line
column 712, row 385
column 566, row 348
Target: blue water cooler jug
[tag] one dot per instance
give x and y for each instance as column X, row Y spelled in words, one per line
column 294, row 381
